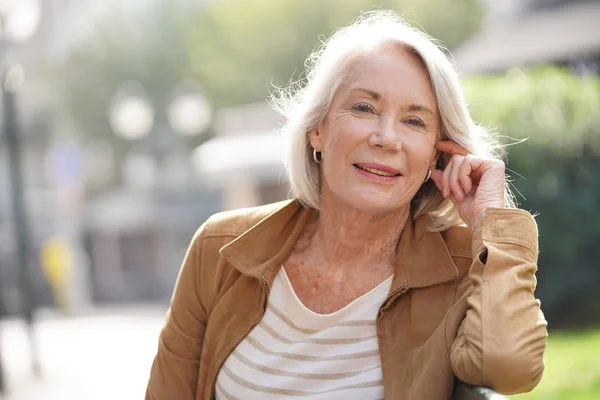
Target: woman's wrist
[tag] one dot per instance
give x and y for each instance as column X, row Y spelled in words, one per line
column 510, row 225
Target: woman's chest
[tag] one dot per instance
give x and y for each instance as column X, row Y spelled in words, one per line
column 325, row 290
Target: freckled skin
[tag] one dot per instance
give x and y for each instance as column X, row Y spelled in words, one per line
column 349, row 247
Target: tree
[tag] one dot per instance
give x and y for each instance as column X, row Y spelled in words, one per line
column 557, row 172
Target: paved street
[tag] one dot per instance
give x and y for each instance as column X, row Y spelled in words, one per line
column 105, row 354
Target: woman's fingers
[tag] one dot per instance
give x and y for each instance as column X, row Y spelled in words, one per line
column 452, row 148
column 442, row 179
column 454, row 180
column 464, row 175
column 446, row 179
column 478, row 166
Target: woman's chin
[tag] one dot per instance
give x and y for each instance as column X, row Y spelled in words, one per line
column 375, row 205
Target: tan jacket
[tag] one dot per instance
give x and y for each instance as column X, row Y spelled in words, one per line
column 460, row 305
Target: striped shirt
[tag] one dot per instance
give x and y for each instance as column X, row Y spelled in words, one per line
column 295, row 353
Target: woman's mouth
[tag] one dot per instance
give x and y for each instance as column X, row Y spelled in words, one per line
column 383, row 171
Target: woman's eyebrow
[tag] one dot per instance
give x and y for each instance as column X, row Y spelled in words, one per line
column 377, row 96
column 370, row 93
column 421, row 108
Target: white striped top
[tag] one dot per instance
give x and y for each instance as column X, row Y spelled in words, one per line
column 295, row 353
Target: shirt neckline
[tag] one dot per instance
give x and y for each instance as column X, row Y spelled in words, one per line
column 361, row 299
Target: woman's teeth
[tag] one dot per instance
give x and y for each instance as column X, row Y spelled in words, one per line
column 376, row 171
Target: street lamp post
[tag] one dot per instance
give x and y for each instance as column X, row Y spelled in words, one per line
column 190, row 111
column 131, row 114
column 157, row 152
column 18, row 21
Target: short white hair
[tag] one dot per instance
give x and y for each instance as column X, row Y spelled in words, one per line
column 305, row 104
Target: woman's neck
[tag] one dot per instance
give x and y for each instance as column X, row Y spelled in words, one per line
column 341, row 235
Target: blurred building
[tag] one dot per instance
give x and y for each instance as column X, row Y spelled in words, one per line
column 136, row 240
column 244, row 160
column 521, row 33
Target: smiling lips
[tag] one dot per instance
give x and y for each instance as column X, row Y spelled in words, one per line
column 380, row 170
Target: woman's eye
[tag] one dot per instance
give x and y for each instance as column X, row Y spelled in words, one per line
column 364, row 107
column 416, row 122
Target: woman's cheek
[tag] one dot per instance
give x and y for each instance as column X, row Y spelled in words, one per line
column 419, row 160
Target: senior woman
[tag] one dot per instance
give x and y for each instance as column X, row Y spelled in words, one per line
column 400, row 264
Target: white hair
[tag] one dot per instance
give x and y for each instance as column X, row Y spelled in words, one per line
column 305, row 104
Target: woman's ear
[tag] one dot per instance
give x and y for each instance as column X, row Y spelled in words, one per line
column 435, row 158
column 315, row 138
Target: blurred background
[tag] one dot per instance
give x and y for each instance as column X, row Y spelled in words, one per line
column 125, row 124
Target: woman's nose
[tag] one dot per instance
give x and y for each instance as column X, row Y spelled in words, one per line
column 385, row 136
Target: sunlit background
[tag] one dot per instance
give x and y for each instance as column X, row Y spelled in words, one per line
column 126, row 123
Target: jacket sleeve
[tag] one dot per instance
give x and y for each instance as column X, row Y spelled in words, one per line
column 501, row 341
column 174, row 372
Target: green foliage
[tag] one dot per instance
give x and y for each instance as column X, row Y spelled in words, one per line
column 572, row 369
column 240, row 47
column 559, row 114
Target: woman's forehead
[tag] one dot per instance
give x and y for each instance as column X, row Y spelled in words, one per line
column 389, row 73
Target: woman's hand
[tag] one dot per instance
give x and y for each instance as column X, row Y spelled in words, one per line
column 472, row 183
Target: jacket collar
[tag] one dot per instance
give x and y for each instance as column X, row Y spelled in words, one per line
column 423, row 258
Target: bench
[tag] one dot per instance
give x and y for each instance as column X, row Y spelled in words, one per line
column 462, row 391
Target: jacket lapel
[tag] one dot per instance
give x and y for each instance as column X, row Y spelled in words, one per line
column 261, row 250
column 423, row 259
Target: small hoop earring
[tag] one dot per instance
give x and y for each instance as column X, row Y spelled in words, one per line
column 317, row 156
column 428, row 176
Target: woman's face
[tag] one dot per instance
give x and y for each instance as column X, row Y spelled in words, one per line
column 378, row 137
